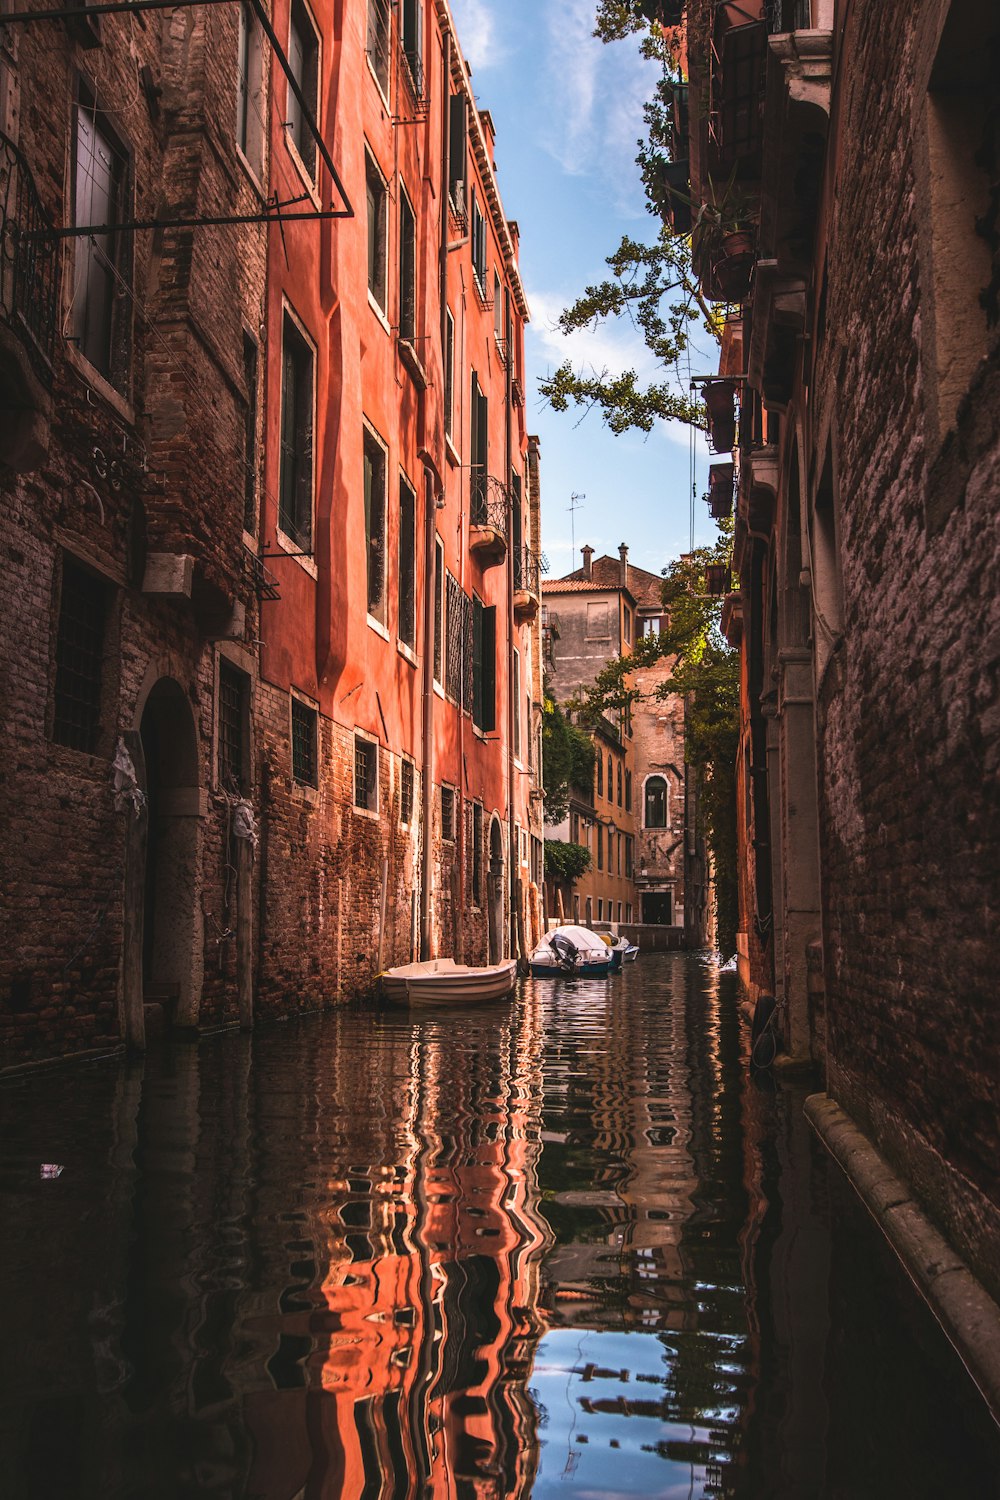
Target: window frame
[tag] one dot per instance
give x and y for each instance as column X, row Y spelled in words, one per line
column 305, row 155
column 305, row 706
column 406, row 289
column 243, row 684
column 407, row 770
column 378, row 11
column 113, row 362
column 295, row 539
column 449, row 376
column 409, row 642
column 438, row 666
column 452, row 824
column 370, row 806
column 647, row 784
column 67, row 636
column 377, row 208
column 373, row 443
column 250, row 138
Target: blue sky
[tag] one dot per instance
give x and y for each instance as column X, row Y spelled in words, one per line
column 568, row 111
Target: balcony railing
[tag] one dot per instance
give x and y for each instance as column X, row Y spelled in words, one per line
column 490, row 502
column 788, row 15
column 28, row 260
column 527, row 571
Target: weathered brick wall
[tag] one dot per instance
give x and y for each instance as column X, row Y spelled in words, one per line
column 908, row 709
column 156, row 468
column 658, row 750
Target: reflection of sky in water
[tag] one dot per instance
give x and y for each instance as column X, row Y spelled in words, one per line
column 618, row 1457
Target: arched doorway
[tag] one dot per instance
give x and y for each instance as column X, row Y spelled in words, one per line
column 171, row 939
column 495, row 890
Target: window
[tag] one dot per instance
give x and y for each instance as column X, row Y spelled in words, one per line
column 101, row 261
column 84, row 607
column 365, row 774
column 651, row 626
column 303, row 64
column 484, row 633
column 477, row 853
column 406, row 792
column 600, row 909
column 438, row 610
column 478, row 452
column 407, row 270
column 537, row 861
column 377, row 43
column 296, row 485
column 619, row 783
column 448, row 813
column 598, row 621
column 628, row 625
column 600, row 846
column 455, row 640
column 250, row 90
column 611, row 780
column 407, row 628
column 517, row 705
column 234, row 728
column 478, row 246
column 250, row 365
column 375, row 524
column 628, row 858
column 377, row 226
column 656, row 802
column 498, row 321
column 628, row 791
column 304, row 757
column 599, row 768
column 449, row 374
column 411, row 29
column 457, row 153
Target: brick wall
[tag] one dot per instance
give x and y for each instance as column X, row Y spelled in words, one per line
column 908, row 708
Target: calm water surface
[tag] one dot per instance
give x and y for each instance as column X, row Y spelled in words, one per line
column 564, row 1247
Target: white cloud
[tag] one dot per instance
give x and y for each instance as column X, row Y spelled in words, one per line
column 595, row 93
column 475, row 22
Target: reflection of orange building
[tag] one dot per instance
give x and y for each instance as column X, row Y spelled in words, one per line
column 431, row 1286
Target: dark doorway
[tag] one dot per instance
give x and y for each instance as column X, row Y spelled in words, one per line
column 658, row 908
column 495, row 894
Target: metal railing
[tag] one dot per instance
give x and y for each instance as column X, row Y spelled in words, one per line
column 788, row 15
column 527, row 571
column 28, row 259
column 490, row 502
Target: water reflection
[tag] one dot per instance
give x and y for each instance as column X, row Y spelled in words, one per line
column 562, row 1246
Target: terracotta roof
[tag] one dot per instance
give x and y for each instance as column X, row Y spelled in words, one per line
column 571, row 586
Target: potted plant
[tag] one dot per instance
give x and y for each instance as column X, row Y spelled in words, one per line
column 723, row 241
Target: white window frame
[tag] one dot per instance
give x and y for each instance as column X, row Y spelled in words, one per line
column 377, row 621
column 310, row 175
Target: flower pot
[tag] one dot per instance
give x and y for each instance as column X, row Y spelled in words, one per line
column 732, row 265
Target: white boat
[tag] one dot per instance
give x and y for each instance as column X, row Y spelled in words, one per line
column 570, row 949
column 625, row 951
column 442, row 981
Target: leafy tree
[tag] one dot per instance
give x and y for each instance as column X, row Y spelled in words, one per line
column 568, row 758
column 653, row 283
column 565, row 862
column 705, row 669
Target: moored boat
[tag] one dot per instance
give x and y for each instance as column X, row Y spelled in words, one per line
column 442, row 981
column 571, row 950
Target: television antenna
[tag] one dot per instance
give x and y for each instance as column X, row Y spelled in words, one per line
column 573, row 506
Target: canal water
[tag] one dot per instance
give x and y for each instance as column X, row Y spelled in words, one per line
column 561, row 1247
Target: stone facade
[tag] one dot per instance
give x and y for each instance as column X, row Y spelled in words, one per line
column 593, row 614
column 869, row 559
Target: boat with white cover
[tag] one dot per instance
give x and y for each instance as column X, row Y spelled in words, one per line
column 442, row 981
column 571, row 950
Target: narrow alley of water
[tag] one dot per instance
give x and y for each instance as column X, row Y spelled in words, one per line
column 562, row 1247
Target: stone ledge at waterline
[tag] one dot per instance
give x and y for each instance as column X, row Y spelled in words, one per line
column 965, row 1310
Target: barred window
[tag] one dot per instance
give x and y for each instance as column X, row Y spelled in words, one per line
column 365, row 774
column 406, row 792
column 447, row 812
column 84, row 606
column 102, row 261
column 234, row 702
column 304, row 757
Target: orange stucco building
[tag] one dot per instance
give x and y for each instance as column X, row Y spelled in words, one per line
column 396, row 665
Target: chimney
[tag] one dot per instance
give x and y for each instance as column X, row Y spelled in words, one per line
column 623, row 554
column 588, row 553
